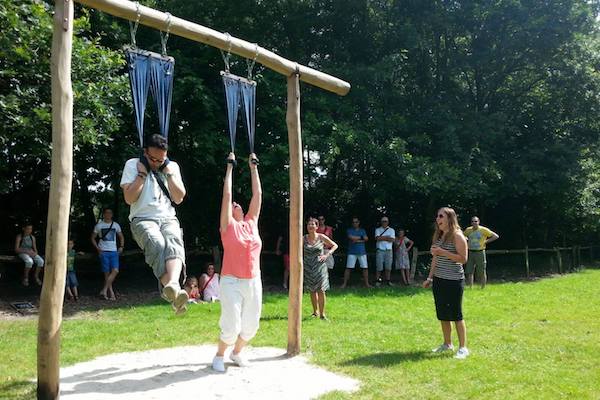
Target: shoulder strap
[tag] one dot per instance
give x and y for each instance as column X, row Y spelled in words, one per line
column 207, row 282
column 384, row 231
column 108, row 230
column 163, row 187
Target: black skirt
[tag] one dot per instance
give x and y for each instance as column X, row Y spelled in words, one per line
column 448, row 295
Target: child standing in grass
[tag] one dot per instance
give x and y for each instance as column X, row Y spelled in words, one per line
column 72, row 283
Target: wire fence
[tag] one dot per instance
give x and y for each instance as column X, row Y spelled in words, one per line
column 522, row 263
column 501, row 264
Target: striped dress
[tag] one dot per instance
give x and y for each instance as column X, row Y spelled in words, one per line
column 316, row 276
column 446, row 268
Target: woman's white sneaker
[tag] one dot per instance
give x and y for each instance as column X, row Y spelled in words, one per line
column 218, row 364
column 442, row 348
column 239, row 360
column 462, row 353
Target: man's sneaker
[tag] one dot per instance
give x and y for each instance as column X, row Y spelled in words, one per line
column 389, row 283
column 218, row 364
column 169, row 292
column 378, row 282
column 181, row 301
column 462, row 353
column 442, row 348
column 176, row 296
column 239, row 360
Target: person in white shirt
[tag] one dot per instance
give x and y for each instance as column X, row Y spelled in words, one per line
column 104, row 239
column 384, row 255
column 152, row 185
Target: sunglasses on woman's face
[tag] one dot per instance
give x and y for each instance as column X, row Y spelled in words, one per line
column 440, row 215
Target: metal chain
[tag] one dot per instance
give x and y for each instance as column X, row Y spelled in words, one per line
column 133, row 27
column 165, row 38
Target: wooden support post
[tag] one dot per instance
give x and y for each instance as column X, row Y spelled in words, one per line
column 296, row 216
column 559, row 259
column 527, row 261
column 59, row 206
column 413, row 264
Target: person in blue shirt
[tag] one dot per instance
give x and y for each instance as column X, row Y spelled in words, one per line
column 356, row 251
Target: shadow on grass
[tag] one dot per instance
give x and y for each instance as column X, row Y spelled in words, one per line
column 18, row 390
column 383, row 360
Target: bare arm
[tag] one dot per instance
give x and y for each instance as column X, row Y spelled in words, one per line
column 410, row 245
column 226, row 214
column 427, row 282
column 18, row 249
column 460, row 242
column 34, row 245
column 256, row 202
column 329, row 243
column 93, row 240
column 494, row 236
column 175, row 184
column 121, row 240
column 131, row 191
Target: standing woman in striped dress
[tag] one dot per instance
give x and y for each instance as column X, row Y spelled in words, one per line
column 449, row 253
column 317, row 249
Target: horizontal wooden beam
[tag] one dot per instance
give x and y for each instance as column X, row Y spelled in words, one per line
column 198, row 33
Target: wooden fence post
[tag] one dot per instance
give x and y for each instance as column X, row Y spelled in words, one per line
column 559, row 259
column 413, row 264
column 296, row 218
column 59, row 205
column 527, row 261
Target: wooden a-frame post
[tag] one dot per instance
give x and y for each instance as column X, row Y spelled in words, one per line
column 59, row 204
column 296, row 214
column 62, row 163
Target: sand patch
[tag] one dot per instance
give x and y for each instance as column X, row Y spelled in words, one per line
column 185, row 373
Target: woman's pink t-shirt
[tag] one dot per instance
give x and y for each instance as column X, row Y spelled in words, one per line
column 241, row 249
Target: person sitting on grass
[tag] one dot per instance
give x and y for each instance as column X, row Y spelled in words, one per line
column 26, row 249
column 191, row 287
column 72, row 283
column 209, row 284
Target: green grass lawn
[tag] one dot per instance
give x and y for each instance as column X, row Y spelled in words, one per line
column 528, row 340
